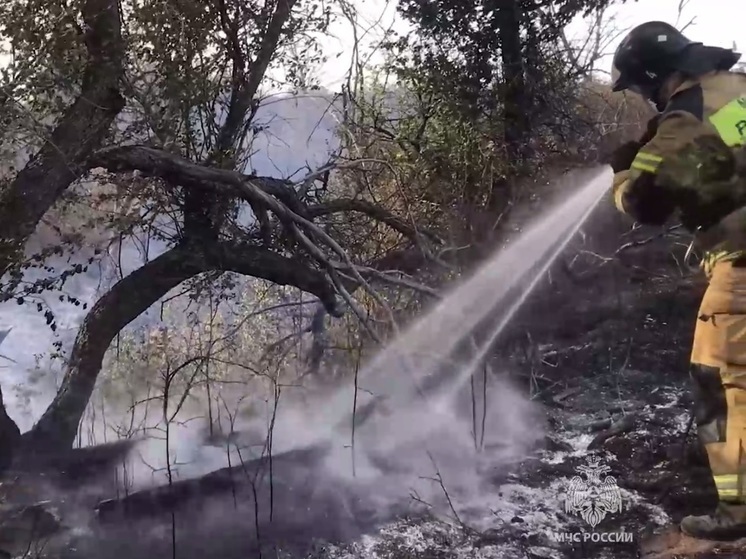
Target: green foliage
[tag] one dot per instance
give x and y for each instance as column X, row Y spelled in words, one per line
column 184, row 59
column 502, row 96
column 482, row 56
column 435, row 148
column 44, row 43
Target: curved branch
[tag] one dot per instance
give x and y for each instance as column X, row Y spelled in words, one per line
column 80, row 131
column 262, row 193
column 371, row 210
column 132, row 296
column 179, row 171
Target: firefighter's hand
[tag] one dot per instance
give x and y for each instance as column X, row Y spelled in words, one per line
column 621, row 158
column 644, row 200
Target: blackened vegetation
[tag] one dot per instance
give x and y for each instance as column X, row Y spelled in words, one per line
column 623, row 324
column 504, row 93
column 233, row 481
column 613, row 367
column 286, row 502
column 287, row 247
column 76, row 467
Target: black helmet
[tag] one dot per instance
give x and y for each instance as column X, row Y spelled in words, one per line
column 646, row 57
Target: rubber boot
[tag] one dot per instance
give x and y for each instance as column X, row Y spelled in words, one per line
column 723, row 525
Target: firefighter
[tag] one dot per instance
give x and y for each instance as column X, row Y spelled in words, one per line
column 690, row 163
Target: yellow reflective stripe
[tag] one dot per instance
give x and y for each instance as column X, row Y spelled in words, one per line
column 650, row 157
column 710, row 258
column 644, row 167
column 725, row 480
column 730, row 486
column 646, row 162
column 730, row 122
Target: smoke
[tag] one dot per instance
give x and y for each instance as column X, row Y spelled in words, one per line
column 423, row 425
column 416, row 431
column 409, row 461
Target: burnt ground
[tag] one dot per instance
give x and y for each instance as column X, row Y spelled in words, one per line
column 602, row 349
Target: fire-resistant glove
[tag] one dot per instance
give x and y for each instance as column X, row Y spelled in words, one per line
column 621, row 183
column 647, row 202
column 728, row 234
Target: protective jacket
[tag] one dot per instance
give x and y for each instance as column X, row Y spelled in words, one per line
column 695, row 163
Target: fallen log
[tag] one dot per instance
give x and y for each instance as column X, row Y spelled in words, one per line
column 254, row 475
column 73, row 467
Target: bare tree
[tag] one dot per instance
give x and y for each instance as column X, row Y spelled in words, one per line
column 679, row 24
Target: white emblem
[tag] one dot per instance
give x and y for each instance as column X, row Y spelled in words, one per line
column 593, row 498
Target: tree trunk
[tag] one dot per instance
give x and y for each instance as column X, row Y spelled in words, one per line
column 81, row 130
column 205, row 211
column 10, row 435
column 516, row 113
column 516, row 131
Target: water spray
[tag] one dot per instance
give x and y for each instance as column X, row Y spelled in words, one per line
column 408, row 389
column 441, row 330
column 589, row 197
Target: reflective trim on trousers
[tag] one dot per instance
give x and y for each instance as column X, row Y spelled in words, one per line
column 730, row 487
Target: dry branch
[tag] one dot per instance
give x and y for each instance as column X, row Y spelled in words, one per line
column 135, row 293
column 178, row 171
column 624, row 425
column 257, row 191
column 261, row 193
column 647, row 240
column 371, row 210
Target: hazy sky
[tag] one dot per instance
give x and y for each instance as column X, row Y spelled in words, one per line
column 717, row 22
